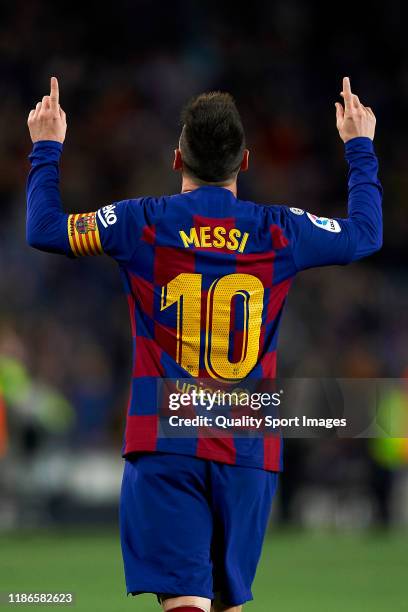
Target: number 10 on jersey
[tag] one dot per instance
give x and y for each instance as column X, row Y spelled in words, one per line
column 185, row 291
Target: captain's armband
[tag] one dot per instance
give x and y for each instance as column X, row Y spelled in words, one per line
column 83, row 234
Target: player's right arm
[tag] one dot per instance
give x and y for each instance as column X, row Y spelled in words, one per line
column 318, row 241
column 113, row 229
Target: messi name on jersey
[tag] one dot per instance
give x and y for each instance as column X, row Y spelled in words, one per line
column 217, row 237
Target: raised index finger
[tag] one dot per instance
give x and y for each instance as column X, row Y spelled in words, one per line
column 54, row 93
column 347, row 95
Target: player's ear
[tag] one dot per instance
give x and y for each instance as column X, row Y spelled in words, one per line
column 245, row 161
column 178, row 162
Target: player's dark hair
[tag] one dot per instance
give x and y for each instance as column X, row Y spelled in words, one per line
column 212, row 140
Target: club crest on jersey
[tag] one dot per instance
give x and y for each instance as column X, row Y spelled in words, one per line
column 86, row 224
column 330, row 225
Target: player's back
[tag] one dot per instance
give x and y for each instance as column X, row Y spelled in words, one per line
column 206, row 277
column 209, row 278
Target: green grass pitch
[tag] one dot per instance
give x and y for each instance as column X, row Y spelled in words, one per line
column 299, row 572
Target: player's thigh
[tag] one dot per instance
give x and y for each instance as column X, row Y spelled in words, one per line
column 242, row 502
column 166, row 495
column 166, row 525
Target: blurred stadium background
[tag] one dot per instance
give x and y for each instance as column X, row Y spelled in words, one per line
column 338, row 535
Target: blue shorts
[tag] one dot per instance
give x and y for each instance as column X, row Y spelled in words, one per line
column 193, row 527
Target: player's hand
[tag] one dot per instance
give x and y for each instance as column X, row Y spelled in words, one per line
column 354, row 119
column 47, row 121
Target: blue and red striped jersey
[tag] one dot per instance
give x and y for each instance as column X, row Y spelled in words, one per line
column 206, row 277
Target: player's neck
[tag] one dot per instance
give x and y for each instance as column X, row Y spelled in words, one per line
column 189, row 184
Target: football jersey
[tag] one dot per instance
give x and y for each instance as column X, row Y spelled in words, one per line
column 206, row 277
